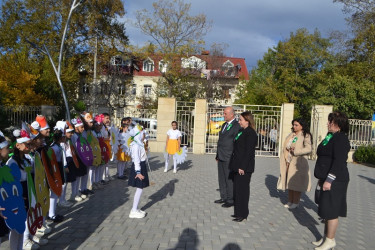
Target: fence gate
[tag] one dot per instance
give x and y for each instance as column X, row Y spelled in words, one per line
column 315, row 125
column 267, row 124
column 185, row 120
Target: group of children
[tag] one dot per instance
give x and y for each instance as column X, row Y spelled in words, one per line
column 34, row 177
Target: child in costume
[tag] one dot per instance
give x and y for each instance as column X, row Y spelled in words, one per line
column 172, row 146
column 106, row 133
column 123, row 158
column 138, row 176
column 59, row 146
column 4, row 152
column 99, row 170
column 88, row 124
column 22, row 160
column 82, row 170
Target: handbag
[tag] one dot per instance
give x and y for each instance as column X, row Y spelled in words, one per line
column 318, row 190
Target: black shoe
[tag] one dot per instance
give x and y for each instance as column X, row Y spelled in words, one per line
column 54, row 219
column 89, row 191
column 239, row 219
column 217, row 189
column 220, row 201
column 234, row 216
column 227, row 204
column 104, row 182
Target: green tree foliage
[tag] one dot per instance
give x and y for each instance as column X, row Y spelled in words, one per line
column 42, row 22
column 288, row 72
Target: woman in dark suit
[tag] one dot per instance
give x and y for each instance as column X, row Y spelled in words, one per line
column 332, row 171
column 242, row 165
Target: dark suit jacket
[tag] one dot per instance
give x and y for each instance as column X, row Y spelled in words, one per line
column 225, row 143
column 244, row 151
column 332, row 158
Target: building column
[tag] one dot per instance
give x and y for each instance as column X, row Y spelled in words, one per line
column 200, row 123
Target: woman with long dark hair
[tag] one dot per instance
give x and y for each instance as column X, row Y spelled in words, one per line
column 294, row 167
column 333, row 177
column 242, row 165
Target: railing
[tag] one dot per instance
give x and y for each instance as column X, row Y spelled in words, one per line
column 16, row 114
column 361, row 133
column 145, row 117
column 267, row 124
column 185, row 120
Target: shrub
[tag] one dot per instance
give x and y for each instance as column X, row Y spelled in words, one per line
column 365, row 154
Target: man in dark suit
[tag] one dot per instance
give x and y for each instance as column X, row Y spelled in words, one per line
column 227, row 134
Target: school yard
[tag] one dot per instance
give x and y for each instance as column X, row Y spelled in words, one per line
column 182, row 213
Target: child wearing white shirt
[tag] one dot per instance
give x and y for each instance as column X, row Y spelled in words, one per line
column 172, row 146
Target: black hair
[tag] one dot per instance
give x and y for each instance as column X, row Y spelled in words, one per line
column 2, row 139
column 305, row 127
column 125, row 119
column 57, row 135
column 340, row 119
column 174, row 122
column 16, row 156
column 105, row 114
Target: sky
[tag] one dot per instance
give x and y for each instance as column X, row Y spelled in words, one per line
column 249, row 27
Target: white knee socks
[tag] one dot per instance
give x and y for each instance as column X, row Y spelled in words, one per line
column 137, row 197
column 101, row 172
column 63, row 193
column 52, row 205
column 83, row 182
column 174, row 163
column 120, row 168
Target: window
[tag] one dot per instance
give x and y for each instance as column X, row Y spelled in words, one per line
column 163, row 66
column 85, row 88
column 148, row 65
column 147, row 90
column 226, row 94
column 121, row 89
column 228, row 68
column 134, row 89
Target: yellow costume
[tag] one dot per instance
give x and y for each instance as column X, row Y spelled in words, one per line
column 172, row 146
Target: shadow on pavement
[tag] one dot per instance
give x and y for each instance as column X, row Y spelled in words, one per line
column 188, row 240
column 372, row 181
column 155, row 164
column 85, row 218
column 231, row 246
column 161, row 194
column 185, row 166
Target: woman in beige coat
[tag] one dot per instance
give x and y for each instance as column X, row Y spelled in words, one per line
column 294, row 168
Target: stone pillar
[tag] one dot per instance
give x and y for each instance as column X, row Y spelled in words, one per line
column 318, row 125
column 287, row 114
column 199, row 137
column 165, row 115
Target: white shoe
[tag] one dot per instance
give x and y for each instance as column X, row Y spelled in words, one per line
column 174, row 170
column 288, row 204
column 165, row 170
column 78, row 198
column 40, row 241
column 293, row 206
column 318, row 243
column 83, row 196
column 29, row 244
column 65, row 204
column 141, row 211
column 42, row 231
column 327, row 244
column 136, row 215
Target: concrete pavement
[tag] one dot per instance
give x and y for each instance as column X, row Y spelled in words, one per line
column 182, row 215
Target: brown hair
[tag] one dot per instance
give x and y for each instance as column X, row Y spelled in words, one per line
column 340, row 119
column 250, row 118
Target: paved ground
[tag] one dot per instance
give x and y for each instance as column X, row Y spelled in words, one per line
column 182, row 215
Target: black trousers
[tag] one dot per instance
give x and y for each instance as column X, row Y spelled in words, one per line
column 225, row 182
column 241, row 193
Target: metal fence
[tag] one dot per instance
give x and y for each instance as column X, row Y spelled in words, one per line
column 145, row 117
column 361, row 133
column 16, row 114
column 185, row 120
column 267, row 123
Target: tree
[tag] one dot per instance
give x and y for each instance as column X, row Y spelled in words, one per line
column 288, row 72
column 176, row 33
column 42, row 21
column 17, row 86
